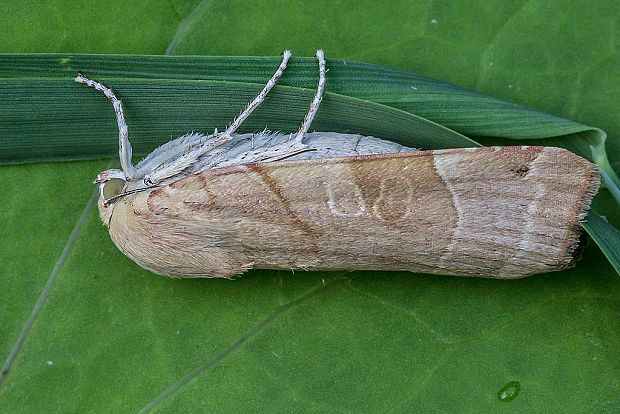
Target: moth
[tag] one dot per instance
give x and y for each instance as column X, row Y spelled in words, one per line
column 220, row 204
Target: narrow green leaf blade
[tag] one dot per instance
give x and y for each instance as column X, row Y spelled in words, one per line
column 606, row 236
column 58, row 119
column 455, row 107
column 465, row 111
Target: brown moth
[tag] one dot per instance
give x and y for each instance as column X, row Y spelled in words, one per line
column 217, row 205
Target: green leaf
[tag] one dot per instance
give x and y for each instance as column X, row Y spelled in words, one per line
column 606, row 236
column 60, row 119
column 463, row 110
column 466, row 111
column 112, row 337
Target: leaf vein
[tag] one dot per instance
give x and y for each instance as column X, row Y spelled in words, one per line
column 48, row 285
column 172, row 389
column 184, row 26
column 481, row 66
column 438, row 335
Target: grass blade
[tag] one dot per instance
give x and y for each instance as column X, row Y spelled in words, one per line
column 606, row 236
column 465, row 111
column 58, row 119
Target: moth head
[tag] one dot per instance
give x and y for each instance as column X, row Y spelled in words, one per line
column 111, row 185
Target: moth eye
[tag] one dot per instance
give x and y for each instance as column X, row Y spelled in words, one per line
column 112, row 187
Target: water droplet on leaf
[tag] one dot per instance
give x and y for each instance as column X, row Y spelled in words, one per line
column 509, row 391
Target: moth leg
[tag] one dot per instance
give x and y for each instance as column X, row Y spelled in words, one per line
column 175, row 166
column 260, row 97
column 124, row 147
column 314, row 106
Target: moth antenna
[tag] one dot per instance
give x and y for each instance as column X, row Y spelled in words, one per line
column 260, row 97
column 314, row 106
column 137, row 190
column 124, row 146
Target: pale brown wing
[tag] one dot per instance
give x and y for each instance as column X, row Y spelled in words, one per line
column 493, row 212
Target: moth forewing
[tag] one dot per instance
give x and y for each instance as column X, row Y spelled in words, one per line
column 501, row 213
